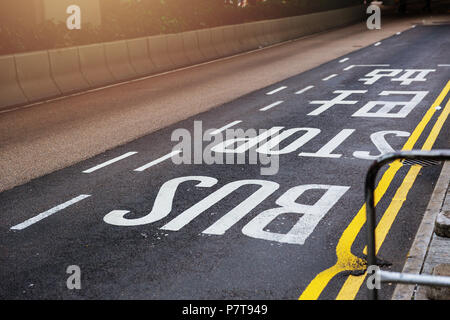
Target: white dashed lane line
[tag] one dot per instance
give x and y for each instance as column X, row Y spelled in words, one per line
column 48, row 213
column 329, row 77
column 276, row 90
column 377, row 44
column 343, row 60
column 157, row 161
column 107, row 163
column 270, row 106
column 304, row 90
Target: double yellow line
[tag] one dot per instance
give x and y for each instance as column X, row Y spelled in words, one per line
column 346, row 260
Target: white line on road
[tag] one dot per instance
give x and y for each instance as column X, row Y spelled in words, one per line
column 304, row 90
column 48, row 213
column 366, row 65
column 276, row 90
column 443, row 65
column 377, row 44
column 329, row 77
column 225, row 127
column 270, row 106
column 159, row 160
column 107, row 163
column 343, row 60
column 398, row 33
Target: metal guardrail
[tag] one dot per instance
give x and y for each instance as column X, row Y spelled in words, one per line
column 385, row 276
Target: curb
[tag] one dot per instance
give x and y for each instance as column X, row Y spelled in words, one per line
column 417, row 254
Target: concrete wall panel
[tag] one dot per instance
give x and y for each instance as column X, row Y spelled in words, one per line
column 34, row 74
column 93, row 65
column 66, row 70
column 10, row 92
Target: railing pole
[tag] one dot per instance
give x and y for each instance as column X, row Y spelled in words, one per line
column 369, row 189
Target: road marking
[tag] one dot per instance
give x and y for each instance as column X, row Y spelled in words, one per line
column 398, row 33
column 225, row 127
column 443, row 65
column 343, row 60
column 304, row 90
column 353, row 283
column 329, row 77
column 377, row 44
column 346, row 260
column 270, row 106
column 276, row 90
column 107, row 163
column 366, row 65
column 48, row 213
column 413, row 26
column 159, row 160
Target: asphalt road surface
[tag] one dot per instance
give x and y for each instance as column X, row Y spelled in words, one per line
column 284, row 223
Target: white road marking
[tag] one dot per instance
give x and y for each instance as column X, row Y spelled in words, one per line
column 413, row 26
column 270, row 106
column 327, row 150
column 343, row 60
column 377, row 44
column 398, row 33
column 225, row 127
column 48, row 213
column 276, row 90
column 304, row 90
column 159, row 160
column 443, row 65
column 366, row 65
column 107, row 163
column 329, row 77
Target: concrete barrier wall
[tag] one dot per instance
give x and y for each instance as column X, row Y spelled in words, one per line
column 33, row 71
column 140, row 56
column 66, row 70
column 10, row 90
column 177, row 54
column 118, row 60
column 206, row 44
column 35, row 76
column 159, row 53
column 192, row 48
column 93, row 65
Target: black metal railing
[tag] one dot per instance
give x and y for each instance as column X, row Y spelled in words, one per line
column 385, row 276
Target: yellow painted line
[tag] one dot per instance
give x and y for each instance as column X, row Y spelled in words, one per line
column 345, row 259
column 353, row 283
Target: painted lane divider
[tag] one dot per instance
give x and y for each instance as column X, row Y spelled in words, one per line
column 157, row 161
column 343, row 60
column 107, row 163
column 377, row 44
column 329, row 77
column 225, row 127
column 366, row 65
column 276, row 90
column 49, row 212
column 270, row 106
column 304, row 89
